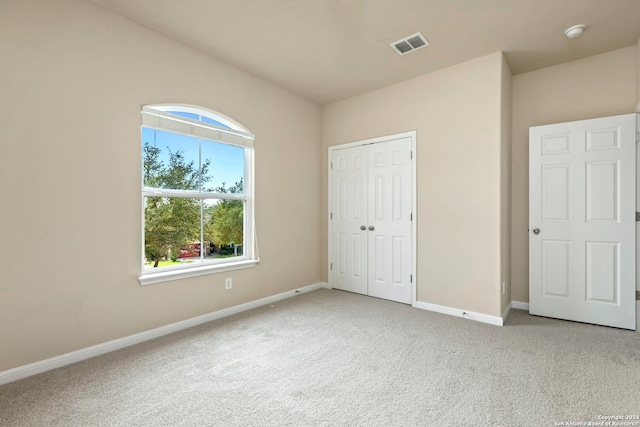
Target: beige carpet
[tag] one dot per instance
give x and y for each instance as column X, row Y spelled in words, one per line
column 330, row 358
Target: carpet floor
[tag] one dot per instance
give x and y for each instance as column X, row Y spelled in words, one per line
column 331, row 358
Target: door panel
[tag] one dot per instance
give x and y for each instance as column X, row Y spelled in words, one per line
column 602, row 191
column 582, row 185
column 556, row 268
column 603, row 139
column 602, row 272
column 555, row 144
column 556, row 192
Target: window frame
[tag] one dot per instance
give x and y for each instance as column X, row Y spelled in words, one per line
column 159, row 117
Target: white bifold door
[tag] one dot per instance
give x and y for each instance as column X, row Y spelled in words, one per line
column 582, row 238
column 370, row 224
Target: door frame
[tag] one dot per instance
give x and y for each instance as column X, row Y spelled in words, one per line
column 412, row 135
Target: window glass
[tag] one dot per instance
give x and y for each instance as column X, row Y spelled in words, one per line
column 172, row 226
column 214, row 122
column 192, row 116
column 171, row 160
column 226, row 167
column 224, row 227
column 199, row 118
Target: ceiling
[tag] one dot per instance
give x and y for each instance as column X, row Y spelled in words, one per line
column 327, row 50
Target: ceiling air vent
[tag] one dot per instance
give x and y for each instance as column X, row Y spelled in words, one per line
column 409, row 44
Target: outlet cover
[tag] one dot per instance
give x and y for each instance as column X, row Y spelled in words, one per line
column 228, row 283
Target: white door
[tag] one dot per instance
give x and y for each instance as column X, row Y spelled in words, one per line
column 371, row 220
column 348, row 220
column 582, row 221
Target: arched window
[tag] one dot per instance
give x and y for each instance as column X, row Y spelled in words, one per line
column 197, row 193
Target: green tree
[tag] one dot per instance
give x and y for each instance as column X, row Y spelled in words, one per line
column 225, row 219
column 170, row 222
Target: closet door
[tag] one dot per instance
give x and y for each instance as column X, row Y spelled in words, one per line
column 348, row 220
column 370, row 220
column 389, row 224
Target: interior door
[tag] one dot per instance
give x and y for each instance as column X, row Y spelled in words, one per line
column 582, row 221
column 389, row 225
column 370, row 220
column 348, row 220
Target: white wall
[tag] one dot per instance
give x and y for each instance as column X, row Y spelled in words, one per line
column 457, row 115
column 72, row 80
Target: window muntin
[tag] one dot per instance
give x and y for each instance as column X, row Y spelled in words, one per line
column 197, row 190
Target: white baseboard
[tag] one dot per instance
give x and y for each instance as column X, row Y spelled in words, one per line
column 520, row 305
column 21, row 372
column 471, row 315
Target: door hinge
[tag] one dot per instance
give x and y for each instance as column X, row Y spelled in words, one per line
column 637, row 216
column 411, row 219
column 331, row 266
column 331, row 165
column 637, row 295
column 411, row 278
column 331, row 215
column 637, row 137
column 411, row 154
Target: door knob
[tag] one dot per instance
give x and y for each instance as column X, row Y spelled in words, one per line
column 362, row 227
column 536, row 231
column 371, row 228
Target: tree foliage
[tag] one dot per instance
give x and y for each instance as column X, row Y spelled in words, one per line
column 170, row 222
column 225, row 219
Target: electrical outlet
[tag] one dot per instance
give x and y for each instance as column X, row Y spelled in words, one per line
column 228, row 283
column 504, row 288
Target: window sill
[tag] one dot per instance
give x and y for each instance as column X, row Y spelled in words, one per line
column 167, row 276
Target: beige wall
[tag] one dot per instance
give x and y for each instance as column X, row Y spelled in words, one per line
column 72, row 81
column 599, row 86
column 505, row 184
column 457, row 115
